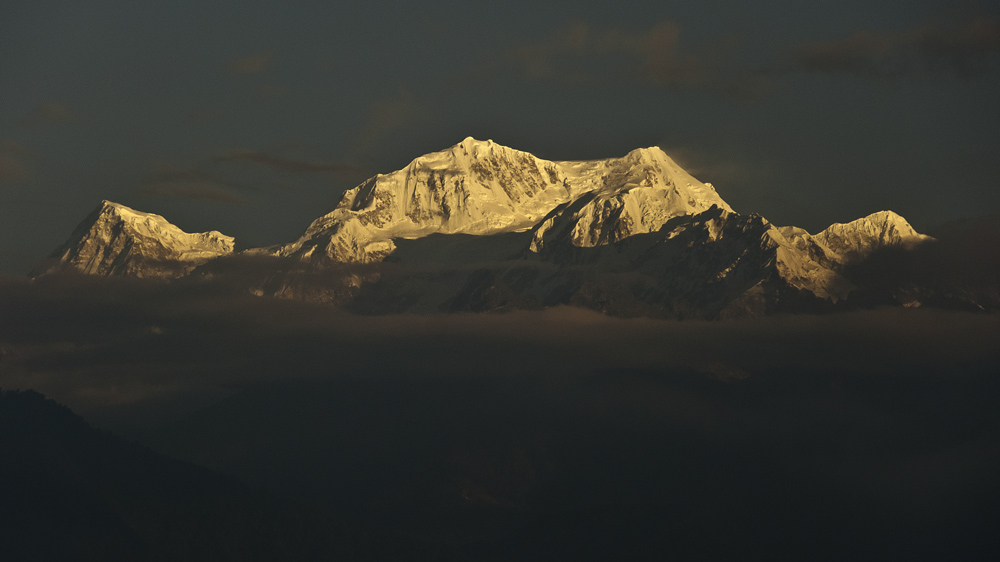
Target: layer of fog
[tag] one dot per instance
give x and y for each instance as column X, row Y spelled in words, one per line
column 104, row 346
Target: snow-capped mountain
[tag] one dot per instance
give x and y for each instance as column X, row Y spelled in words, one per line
column 480, row 187
column 117, row 240
column 490, row 227
column 860, row 238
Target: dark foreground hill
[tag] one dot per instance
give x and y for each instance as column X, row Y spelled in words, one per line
column 71, row 492
column 632, row 465
column 620, row 465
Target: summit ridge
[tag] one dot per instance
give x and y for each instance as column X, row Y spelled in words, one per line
column 481, row 187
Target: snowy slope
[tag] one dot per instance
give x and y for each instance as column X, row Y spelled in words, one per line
column 625, row 196
column 480, row 187
column 117, row 240
column 861, row 237
column 813, row 262
column 474, row 187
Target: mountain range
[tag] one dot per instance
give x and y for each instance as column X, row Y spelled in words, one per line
column 483, row 227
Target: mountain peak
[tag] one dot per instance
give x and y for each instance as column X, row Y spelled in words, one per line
column 649, row 152
column 471, row 149
column 459, row 158
column 480, row 187
column 889, row 217
column 470, row 142
column 117, row 240
column 863, row 236
column 108, row 209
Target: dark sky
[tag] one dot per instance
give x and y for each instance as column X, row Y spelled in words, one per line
column 252, row 117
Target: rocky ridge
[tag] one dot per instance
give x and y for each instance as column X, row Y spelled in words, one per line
column 635, row 235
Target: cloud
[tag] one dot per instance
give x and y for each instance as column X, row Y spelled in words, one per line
column 197, row 190
column 720, row 169
column 207, row 181
column 79, row 337
column 582, row 54
column 12, row 166
column 872, row 420
column 271, row 92
column 253, row 64
column 197, row 185
column 283, row 164
column 894, row 407
column 390, row 113
column 205, row 117
column 49, row 113
column 962, row 49
column 731, row 175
